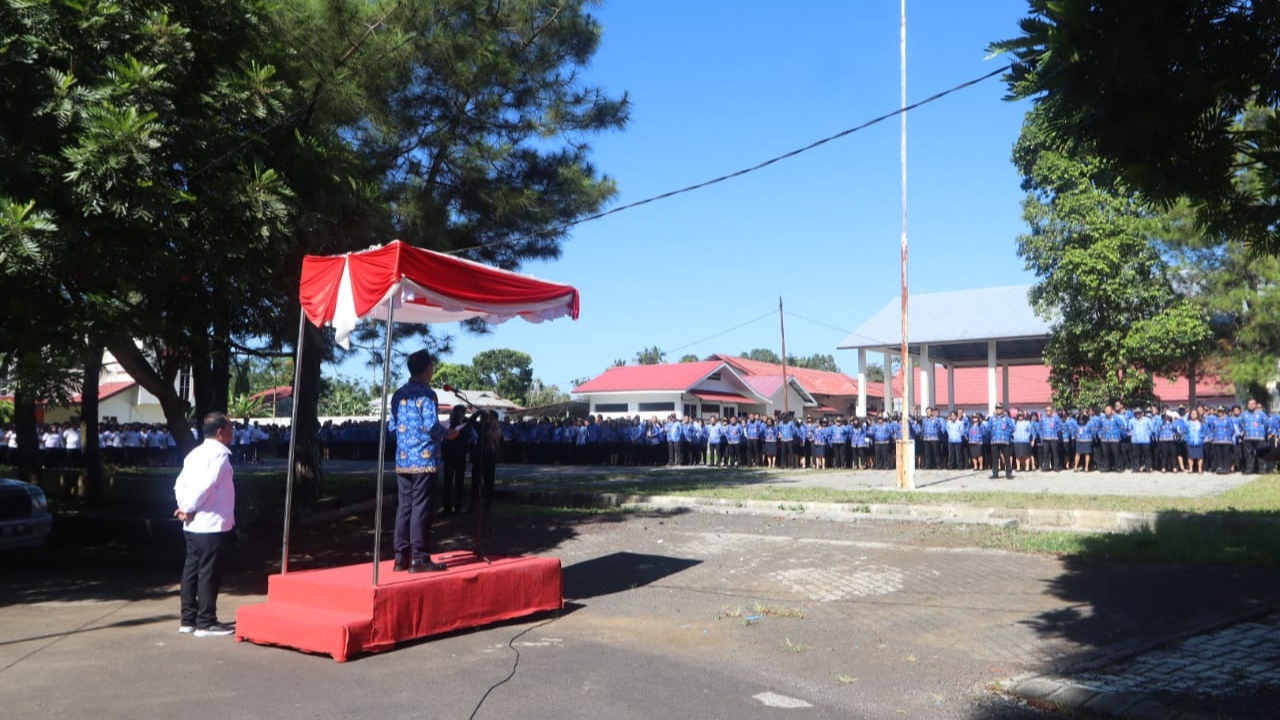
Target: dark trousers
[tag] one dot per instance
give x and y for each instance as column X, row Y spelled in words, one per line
column 1108, row 456
column 1222, row 453
column 884, row 455
column 413, row 517
column 1250, row 451
column 202, row 577
column 1168, row 455
column 839, row 455
column 932, row 454
column 1000, row 451
column 1051, row 455
column 455, row 476
column 785, row 448
column 955, row 453
column 1141, row 457
column 673, row 452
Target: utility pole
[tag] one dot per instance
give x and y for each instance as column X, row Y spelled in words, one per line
column 786, row 387
column 906, row 447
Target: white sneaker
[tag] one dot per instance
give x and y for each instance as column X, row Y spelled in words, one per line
column 186, row 629
column 214, row 631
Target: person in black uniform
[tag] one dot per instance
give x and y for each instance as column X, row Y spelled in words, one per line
column 456, row 447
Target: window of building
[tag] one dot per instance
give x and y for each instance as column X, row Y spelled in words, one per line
column 610, row 407
column 184, row 383
column 691, row 411
column 657, row 407
column 710, row 409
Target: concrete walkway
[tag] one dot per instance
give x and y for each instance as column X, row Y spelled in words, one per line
column 1224, row 666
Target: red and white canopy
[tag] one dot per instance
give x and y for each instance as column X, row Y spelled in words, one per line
column 426, row 286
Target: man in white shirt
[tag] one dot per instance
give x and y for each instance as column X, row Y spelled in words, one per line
column 206, row 495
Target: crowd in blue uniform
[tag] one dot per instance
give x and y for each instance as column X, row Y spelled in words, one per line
column 1111, row 440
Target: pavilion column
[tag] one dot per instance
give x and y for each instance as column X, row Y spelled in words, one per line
column 908, row 374
column 951, row 388
column 1007, row 401
column 991, row 377
column 862, row 382
column 888, row 381
column 926, row 379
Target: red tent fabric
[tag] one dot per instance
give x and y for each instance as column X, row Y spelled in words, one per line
column 427, row 287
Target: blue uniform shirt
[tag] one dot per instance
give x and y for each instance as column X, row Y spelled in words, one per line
column 1000, row 428
column 415, row 419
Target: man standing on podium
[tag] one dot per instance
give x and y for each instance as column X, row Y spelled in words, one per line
column 416, row 420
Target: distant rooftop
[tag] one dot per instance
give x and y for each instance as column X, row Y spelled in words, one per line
column 957, row 326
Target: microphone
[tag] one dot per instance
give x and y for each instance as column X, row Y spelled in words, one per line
column 449, row 388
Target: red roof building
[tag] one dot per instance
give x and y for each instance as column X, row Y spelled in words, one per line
column 835, row 393
column 698, row 389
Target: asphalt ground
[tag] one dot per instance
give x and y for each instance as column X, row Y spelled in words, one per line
column 668, row 615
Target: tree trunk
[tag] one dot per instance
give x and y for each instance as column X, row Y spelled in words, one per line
column 89, row 410
column 24, row 423
column 175, row 408
column 306, row 465
column 202, row 381
column 220, row 368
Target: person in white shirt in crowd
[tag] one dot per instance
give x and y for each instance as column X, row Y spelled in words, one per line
column 206, row 497
column 131, row 444
column 243, row 440
column 51, row 446
column 257, row 443
column 9, row 439
column 156, row 444
column 71, row 442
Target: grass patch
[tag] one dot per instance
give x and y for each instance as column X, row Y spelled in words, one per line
column 563, row 510
column 1262, row 494
column 1182, row 541
column 760, row 608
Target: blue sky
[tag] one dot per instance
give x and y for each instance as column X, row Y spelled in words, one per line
column 718, row 86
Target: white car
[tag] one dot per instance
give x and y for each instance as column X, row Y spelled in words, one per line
column 24, row 515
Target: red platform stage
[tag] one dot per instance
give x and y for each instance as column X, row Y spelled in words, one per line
column 339, row 612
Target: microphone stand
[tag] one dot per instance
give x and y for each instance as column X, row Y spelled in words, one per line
column 477, row 481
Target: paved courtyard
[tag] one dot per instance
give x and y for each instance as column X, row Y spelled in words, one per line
column 669, row 614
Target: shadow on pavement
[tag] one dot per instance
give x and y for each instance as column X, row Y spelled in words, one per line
column 1147, row 584
column 618, row 572
column 1132, row 592
column 132, row 622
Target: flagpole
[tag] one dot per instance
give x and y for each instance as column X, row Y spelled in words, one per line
column 906, row 448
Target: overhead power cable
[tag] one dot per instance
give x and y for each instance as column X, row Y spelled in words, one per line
column 758, row 166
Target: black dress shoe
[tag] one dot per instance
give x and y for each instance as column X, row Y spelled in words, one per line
column 400, row 566
column 428, row 566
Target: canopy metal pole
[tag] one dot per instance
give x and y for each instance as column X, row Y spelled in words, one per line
column 293, row 442
column 382, row 442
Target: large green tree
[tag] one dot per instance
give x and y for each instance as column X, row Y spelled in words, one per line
column 1239, row 291
column 113, row 119
column 1102, row 283
column 817, row 361
column 506, row 372
column 171, row 162
column 1155, row 92
column 762, row 355
column 651, row 356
